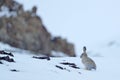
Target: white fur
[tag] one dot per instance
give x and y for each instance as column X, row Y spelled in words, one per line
column 88, row 62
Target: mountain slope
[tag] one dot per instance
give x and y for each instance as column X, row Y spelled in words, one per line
column 30, row 68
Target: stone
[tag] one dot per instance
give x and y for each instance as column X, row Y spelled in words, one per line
column 26, row 31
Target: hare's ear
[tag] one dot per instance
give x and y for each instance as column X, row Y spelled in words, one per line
column 84, row 49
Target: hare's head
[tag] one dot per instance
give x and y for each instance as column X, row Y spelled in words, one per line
column 84, row 54
column 84, row 49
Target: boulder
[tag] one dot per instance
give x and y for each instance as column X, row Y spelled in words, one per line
column 62, row 45
column 26, row 31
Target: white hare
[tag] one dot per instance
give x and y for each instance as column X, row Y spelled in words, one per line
column 88, row 62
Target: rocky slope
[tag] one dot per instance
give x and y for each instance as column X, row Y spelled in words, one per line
column 25, row 30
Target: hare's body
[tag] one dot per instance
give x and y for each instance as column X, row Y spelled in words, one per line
column 88, row 62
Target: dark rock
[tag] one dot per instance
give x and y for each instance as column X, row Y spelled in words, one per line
column 5, row 53
column 1, row 62
column 14, row 70
column 73, row 65
column 48, row 58
column 67, row 63
column 79, row 72
column 59, row 67
column 7, row 58
column 62, row 68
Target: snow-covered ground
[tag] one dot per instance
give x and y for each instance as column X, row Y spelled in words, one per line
column 29, row 68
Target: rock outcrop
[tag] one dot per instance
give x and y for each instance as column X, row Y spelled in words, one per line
column 25, row 30
column 59, row 44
